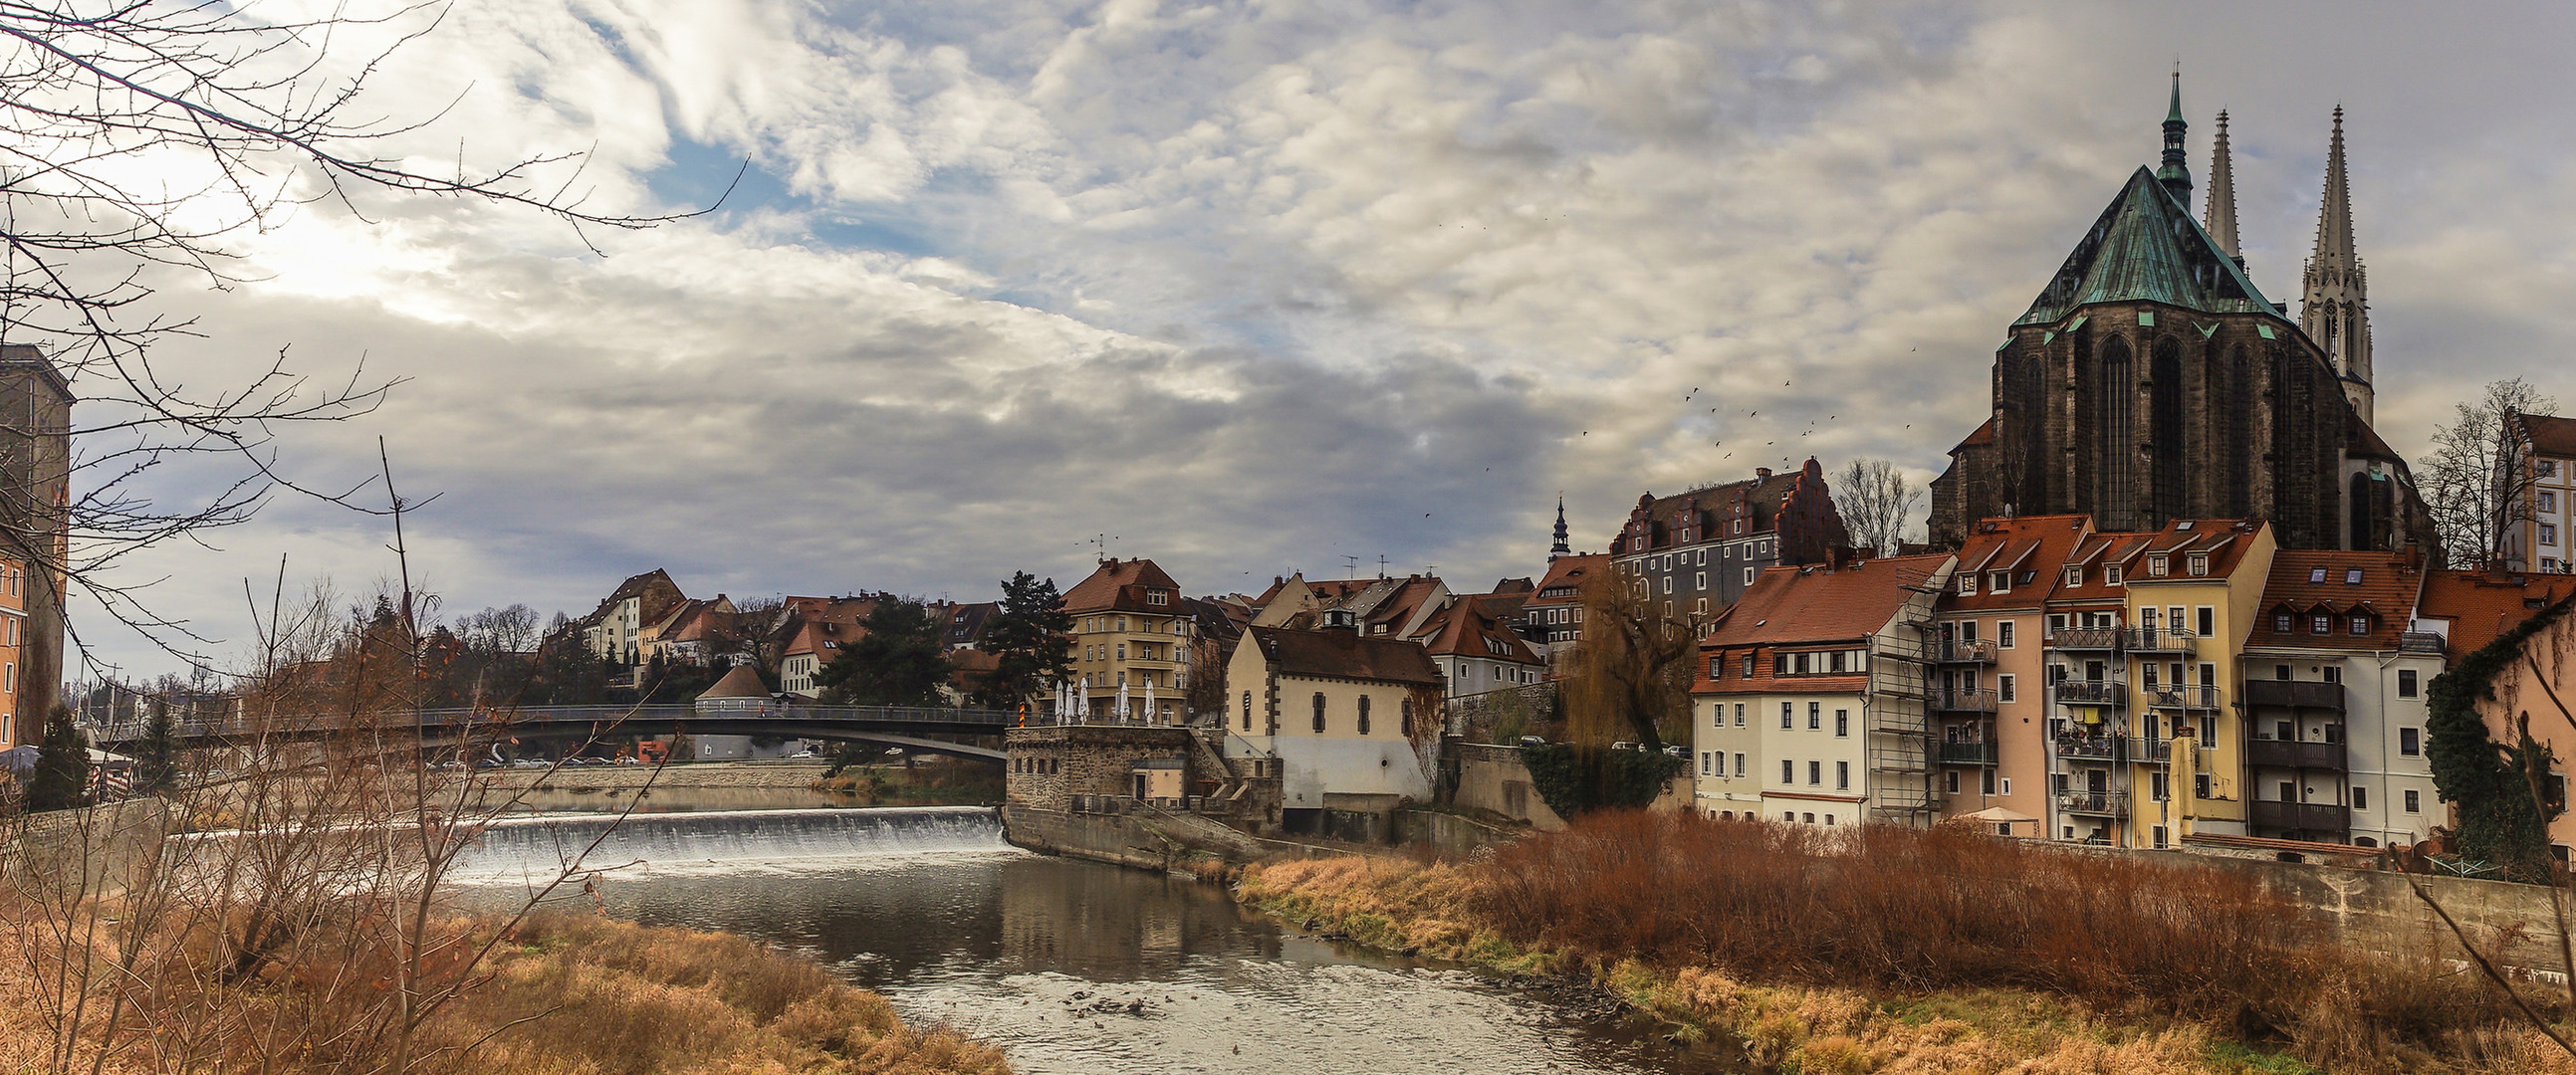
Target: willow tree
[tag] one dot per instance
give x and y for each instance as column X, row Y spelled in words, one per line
column 2500, row 791
column 1627, row 680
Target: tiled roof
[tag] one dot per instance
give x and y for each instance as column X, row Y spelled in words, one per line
column 1465, row 627
column 1762, row 493
column 1345, row 654
column 1568, row 571
column 2549, row 435
column 2224, row 540
column 1122, row 585
column 2481, row 605
column 742, row 682
column 2033, row 549
column 2146, row 247
column 2305, row 582
column 1815, row 604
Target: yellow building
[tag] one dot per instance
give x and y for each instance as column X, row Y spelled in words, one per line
column 1131, row 643
column 1351, row 720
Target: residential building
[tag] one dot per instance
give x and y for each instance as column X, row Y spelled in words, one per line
column 694, row 632
column 15, row 690
column 1132, row 635
column 2334, row 702
column 35, row 517
column 2471, row 609
column 1350, row 719
column 1475, row 650
column 1552, row 617
column 965, row 623
column 1700, row 550
column 1989, row 697
column 2536, row 494
column 614, row 631
column 816, row 629
column 1810, row 702
column 2153, row 751
column 2151, row 381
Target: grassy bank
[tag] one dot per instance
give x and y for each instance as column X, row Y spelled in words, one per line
column 565, row 995
column 1894, row 950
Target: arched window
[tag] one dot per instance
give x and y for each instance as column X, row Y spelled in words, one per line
column 2165, row 431
column 1319, row 712
column 1364, row 708
column 2117, row 443
column 1406, row 718
column 1247, row 711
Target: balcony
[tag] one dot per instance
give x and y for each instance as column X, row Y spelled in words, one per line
column 2186, row 697
column 2105, row 747
column 1953, row 651
column 2291, row 754
column 2294, row 694
column 1969, row 754
column 2156, row 640
column 2107, row 638
column 2156, row 751
column 2306, row 817
column 2112, row 803
column 2090, row 692
column 1963, row 700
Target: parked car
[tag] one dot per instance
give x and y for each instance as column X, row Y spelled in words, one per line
column 1533, row 741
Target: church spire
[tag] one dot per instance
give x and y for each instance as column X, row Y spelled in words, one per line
column 2220, row 216
column 2334, row 309
column 1561, row 549
column 2175, row 174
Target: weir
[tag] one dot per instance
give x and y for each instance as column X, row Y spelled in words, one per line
column 538, row 846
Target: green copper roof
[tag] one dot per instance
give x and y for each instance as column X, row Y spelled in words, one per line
column 2146, row 247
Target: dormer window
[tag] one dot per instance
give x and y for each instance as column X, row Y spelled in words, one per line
column 2199, row 564
column 2075, row 576
column 2321, row 624
column 2156, row 566
column 2283, row 623
column 1999, row 582
column 1157, row 597
column 2360, row 624
column 2110, row 574
column 1967, row 585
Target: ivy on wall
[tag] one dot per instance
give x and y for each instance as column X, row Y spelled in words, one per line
column 2498, row 790
column 1580, row 779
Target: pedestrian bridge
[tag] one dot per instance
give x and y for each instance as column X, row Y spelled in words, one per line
column 904, row 726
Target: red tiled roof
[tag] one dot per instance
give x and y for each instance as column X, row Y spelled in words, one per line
column 2385, row 590
column 2482, row 605
column 2549, row 435
column 1122, row 585
column 1984, row 434
column 1565, row 571
column 1814, row 604
column 1464, row 628
column 742, row 682
column 1345, row 654
column 2033, row 545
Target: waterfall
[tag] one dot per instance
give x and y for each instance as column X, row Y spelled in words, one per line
column 522, row 847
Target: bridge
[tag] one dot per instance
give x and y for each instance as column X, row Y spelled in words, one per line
column 903, row 726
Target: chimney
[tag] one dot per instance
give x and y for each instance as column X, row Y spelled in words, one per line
column 1761, row 472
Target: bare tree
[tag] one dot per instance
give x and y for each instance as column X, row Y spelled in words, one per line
column 1628, row 678
column 141, row 139
column 2468, row 487
column 1877, row 503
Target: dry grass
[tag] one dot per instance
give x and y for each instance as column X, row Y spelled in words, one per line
column 1880, row 949
column 581, row 996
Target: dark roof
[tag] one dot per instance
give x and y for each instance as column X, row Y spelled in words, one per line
column 2146, row 247
column 742, row 682
column 1567, row 573
column 1122, row 585
column 966, row 622
column 1345, row 654
column 2549, row 435
column 1471, row 628
column 1669, row 514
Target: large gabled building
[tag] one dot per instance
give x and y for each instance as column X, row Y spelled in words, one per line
column 1698, row 551
column 2535, row 495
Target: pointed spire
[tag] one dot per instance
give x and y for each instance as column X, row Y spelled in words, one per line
column 1561, row 549
column 2220, row 216
column 2175, row 174
column 2334, row 309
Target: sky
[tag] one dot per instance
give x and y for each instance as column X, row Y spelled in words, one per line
column 1259, row 287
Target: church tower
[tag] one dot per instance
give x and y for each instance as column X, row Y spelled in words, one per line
column 2334, row 309
column 1560, row 550
column 2218, row 217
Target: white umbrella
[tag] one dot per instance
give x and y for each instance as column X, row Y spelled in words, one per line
column 1149, row 699
column 1122, row 701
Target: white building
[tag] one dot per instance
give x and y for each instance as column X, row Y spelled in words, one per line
column 1352, row 721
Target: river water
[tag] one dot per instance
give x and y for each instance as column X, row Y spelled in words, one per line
column 1067, row 966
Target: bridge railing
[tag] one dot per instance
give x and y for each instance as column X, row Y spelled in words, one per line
column 524, row 717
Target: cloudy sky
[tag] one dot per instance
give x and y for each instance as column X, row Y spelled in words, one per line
column 1262, row 286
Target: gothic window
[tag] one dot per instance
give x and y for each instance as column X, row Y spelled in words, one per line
column 2167, row 425
column 2117, row 447
column 2237, row 416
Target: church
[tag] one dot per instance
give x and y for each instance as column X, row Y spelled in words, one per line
column 2151, row 381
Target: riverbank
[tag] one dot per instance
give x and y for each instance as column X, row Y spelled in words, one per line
column 565, row 995
column 1778, row 951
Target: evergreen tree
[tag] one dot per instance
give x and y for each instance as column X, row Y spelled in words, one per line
column 156, row 759
column 900, row 660
column 1031, row 638
column 62, row 765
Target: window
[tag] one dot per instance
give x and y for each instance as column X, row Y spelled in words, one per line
column 2205, row 619
column 2159, row 833
column 2548, row 534
column 1699, row 580
column 1788, row 771
column 1721, row 763
column 1739, row 714
column 2110, row 574
column 2321, row 624
column 2360, row 624
column 1748, row 666
column 1748, row 576
column 1815, row 716
column 1967, row 585
column 2200, row 785
column 2075, row 576
column 1247, row 711
column 2156, row 566
column 2410, row 741
column 2006, row 784
column 2360, row 797
column 1999, row 582
column 2414, row 805
column 1364, row 714
column 2157, row 787
column 2283, row 623
column 1319, row 712
column 1950, row 782
column 1842, row 724
column 1742, row 769
column 2548, row 502
column 1706, row 767
column 2332, row 673
column 1788, row 715
column 2004, row 634
column 1816, row 774
column 2004, row 687
column 2056, row 622
column 1842, row 774
column 2406, row 683
column 1668, row 584
column 2548, row 468
column 2199, row 564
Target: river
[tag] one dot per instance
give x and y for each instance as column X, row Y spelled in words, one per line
column 1067, row 966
